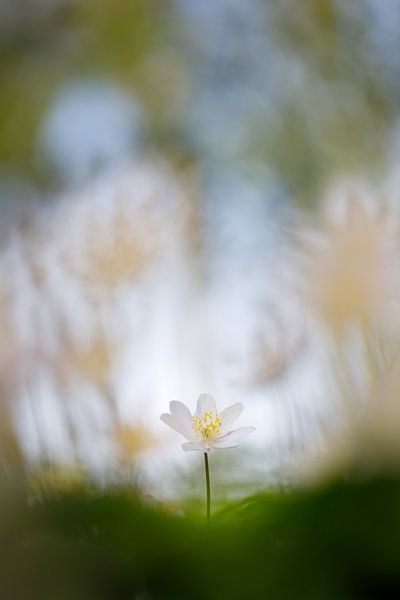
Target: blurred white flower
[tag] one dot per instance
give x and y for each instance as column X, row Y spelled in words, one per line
column 207, row 428
column 352, row 279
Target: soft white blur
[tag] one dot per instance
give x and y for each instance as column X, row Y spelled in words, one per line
column 171, row 253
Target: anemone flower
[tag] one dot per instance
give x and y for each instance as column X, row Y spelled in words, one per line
column 206, row 429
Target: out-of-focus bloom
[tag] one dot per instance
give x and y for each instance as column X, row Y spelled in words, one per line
column 67, row 478
column 207, row 428
column 353, row 276
column 132, row 440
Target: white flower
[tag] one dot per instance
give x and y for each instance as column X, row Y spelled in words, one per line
column 207, row 428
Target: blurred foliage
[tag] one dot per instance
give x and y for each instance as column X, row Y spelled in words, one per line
column 333, row 90
column 44, row 43
column 337, row 541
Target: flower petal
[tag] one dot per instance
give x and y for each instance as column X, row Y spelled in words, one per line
column 188, row 446
column 232, row 437
column 205, row 403
column 175, row 423
column 226, row 445
column 229, row 416
column 181, row 411
column 183, row 419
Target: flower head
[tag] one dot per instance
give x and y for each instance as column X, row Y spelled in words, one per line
column 207, row 428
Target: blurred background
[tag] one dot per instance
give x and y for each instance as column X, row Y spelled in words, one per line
column 198, row 196
column 195, row 196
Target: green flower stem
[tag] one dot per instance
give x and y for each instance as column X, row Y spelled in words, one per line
column 207, row 486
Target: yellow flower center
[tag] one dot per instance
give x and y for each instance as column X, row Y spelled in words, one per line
column 206, row 427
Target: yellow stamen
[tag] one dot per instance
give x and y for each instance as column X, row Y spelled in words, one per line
column 206, row 427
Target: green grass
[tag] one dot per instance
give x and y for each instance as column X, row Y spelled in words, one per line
column 338, row 541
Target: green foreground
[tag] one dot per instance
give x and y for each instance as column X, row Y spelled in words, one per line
column 338, row 541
